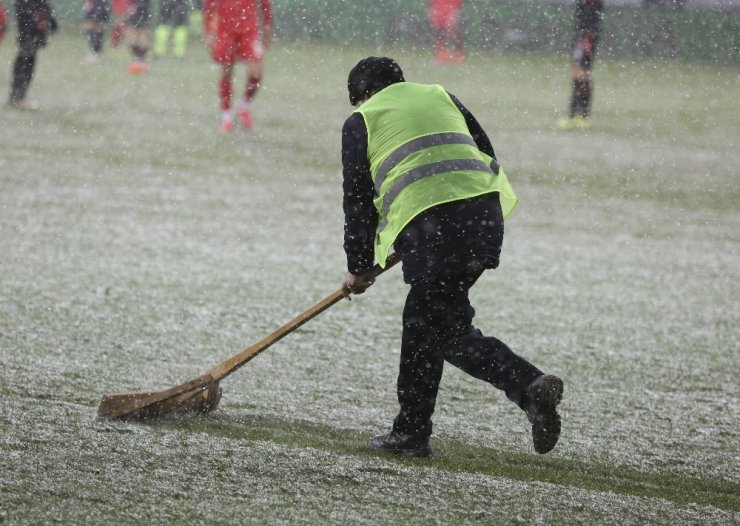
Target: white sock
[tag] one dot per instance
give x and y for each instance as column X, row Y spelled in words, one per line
column 226, row 116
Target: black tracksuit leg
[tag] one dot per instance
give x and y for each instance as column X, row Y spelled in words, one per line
column 437, row 326
column 22, row 74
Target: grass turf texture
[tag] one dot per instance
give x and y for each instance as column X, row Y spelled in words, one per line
column 139, row 247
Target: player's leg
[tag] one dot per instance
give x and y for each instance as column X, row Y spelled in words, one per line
column 225, row 95
column 88, row 26
column 139, row 40
column 439, row 28
column 164, row 29
column 254, row 78
column 581, row 100
column 223, row 54
column 580, row 109
column 580, row 73
column 180, row 23
column 102, row 18
column 119, row 8
column 180, row 40
column 458, row 43
column 22, row 73
column 29, row 42
column 253, row 52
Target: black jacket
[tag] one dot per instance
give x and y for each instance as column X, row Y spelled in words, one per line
column 467, row 232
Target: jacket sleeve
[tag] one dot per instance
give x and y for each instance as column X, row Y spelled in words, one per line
column 360, row 215
column 479, row 136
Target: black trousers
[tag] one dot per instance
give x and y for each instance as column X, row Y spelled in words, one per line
column 437, row 327
column 23, row 68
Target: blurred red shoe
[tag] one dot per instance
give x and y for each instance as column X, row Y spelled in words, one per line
column 137, row 67
column 245, row 116
column 227, row 126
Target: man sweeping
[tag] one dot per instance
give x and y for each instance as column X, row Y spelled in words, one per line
column 420, row 175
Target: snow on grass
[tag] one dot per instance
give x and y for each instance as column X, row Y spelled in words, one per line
column 139, row 248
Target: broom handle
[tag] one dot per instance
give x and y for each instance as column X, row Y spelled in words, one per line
column 230, row 365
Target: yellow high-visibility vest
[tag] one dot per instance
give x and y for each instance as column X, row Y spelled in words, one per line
column 421, row 155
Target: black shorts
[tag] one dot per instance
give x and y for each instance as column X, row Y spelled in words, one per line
column 174, row 12
column 140, row 14
column 96, row 11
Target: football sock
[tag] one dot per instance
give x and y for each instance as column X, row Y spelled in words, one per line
column 161, row 36
column 139, row 53
column 89, row 34
column 586, row 99
column 96, row 40
column 581, row 102
column 224, row 92
column 196, row 20
column 253, row 84
column 116, row 35
column 180, row 40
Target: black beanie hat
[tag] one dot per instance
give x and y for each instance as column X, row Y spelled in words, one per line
column 372, row 74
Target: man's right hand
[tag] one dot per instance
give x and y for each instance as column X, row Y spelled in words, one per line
column 354, row 284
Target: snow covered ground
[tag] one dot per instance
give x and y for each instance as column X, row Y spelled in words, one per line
column 140, row 247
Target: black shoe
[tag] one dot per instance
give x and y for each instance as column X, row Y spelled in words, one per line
column 545, row 393
column 402, row 444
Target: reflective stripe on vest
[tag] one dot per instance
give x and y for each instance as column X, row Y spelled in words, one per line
column 453, row 165
column 416, row 145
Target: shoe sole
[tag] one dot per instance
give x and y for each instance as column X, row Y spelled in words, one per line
column 550, row 396
column 408, row 453
column 423, row 452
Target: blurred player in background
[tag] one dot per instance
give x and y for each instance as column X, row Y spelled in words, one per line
column 173, row 22
column 588, row 17
column 95, row 15
column 444, row 18
column 36, row 21
column 233, row 33
column 136, row 32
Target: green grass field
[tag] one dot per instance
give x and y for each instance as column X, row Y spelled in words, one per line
column 139, row 247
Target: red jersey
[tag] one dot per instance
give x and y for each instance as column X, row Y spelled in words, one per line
column 236, row 16
column 444, row 13
column 120, row 7
column 445, row 5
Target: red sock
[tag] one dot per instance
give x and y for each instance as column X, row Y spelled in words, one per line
column 116, row 35
column 253, row 84
column 224, row 92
